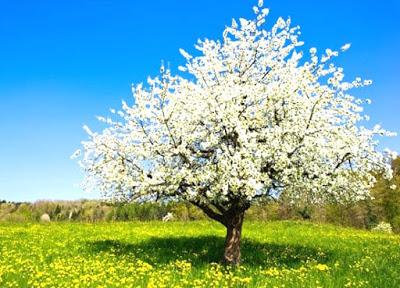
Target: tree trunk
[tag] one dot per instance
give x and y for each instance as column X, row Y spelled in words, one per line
column 232, row 240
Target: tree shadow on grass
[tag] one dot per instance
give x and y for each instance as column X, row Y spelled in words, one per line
column 208, row 249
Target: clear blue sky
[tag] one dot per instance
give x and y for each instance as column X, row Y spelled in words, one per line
column 63, row 62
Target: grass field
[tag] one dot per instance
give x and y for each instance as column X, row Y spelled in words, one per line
column 185, row 254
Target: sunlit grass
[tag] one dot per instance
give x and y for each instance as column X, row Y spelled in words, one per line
column 186, row 254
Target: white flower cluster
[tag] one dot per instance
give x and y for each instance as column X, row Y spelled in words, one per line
column 253, row 119
column 383, row 227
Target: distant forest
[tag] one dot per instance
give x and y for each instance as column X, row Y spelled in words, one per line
column 384, row 206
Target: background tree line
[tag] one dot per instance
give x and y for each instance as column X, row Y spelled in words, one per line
column 384, row 206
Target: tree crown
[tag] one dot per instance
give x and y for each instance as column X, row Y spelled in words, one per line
column 250, row 117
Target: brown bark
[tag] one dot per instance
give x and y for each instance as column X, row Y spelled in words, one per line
column 232, row 219
column 232, row 240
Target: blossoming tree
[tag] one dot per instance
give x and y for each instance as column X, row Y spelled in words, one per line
column 248, row 118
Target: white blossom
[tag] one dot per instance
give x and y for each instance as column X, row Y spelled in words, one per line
column 252, row 119
column 345, row 47
column 184, row 54
column 87, row 130
column 391, row 154
column 76, row 154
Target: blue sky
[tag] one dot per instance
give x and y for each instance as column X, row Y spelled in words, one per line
column 64, row 62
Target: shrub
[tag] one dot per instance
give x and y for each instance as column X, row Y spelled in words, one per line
column 383, row 227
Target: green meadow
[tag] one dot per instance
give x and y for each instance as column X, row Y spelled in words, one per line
column 187, row 254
